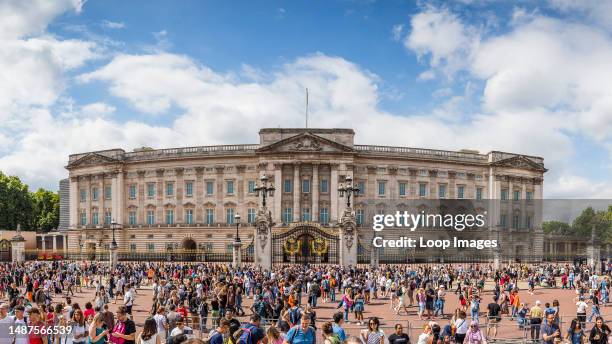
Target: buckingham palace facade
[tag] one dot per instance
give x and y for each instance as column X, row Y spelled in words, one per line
column 187, row 198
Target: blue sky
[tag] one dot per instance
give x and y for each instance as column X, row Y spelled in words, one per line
column 527, row 77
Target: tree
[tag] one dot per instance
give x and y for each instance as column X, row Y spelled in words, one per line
column 556, row 227
column 32, row 210
column 46, row 209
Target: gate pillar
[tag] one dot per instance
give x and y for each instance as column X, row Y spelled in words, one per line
column 348, row 239
column 263, row 239
column 18, row 246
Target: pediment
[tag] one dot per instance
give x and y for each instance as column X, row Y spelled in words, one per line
column 92, row 159
column 521, row 162
column 306, row 142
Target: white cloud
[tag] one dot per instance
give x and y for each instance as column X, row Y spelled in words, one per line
column 396, row 32
column 97, row 109
column 441, row 35
column 112, row 25
column 26, row 18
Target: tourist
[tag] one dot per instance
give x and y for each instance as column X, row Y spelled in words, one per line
column 97, row 331
column 329, row 337
column 575, row 333
column 425, row 336
column 79, row 328
column 274, row 336
column 461, row 327
column 550, row 330
column 149, row 334
column 474, row 335
column 359, row 307
column 337, row 326
column 181, row 328
column 535, row 320
column 399, row 337
column 373, row 334
column 124, row 327
column 494, row 317
column 347, row 303
column 600, row 332
column 216, row 335
column 162, row 323
column 302, row 333
column 581, row 309
column 256, row 333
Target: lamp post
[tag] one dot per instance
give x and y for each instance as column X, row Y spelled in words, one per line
column 237, row 254
column 348, row 189
column 264, row 189
column 113, row 246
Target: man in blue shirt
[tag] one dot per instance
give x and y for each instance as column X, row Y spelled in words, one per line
column 216, row 335
column 256, row 332
column 302, row 333
column 550, row 330
column 337, row 327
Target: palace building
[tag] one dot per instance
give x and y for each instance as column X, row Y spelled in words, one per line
column 168, row 200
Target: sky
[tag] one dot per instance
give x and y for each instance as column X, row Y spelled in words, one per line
column 529, row 77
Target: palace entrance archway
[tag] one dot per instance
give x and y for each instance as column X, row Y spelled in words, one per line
column 5, row 251
column 305, row 244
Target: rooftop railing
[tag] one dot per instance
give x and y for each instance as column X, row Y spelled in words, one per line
column 422, row 152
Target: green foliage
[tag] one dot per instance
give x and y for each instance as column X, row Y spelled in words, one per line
column 583, row 225
column 18, row 205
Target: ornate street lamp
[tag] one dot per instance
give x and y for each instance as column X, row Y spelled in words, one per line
column 349, row 189
column 237, row 220
column 265, row 189
column 114, row 225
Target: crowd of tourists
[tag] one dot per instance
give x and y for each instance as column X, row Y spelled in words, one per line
column 199, row 302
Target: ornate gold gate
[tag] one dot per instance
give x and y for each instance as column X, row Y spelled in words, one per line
column 305, row 243
column 5, row 251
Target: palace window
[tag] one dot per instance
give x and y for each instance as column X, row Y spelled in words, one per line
column 150, row 217
column 94, row 194
column 133, row 191
column 402, row 189
column 442, row 191
column 528, row 222
column 517, row 195
column 251, row 186
column 381, row 188
column 423, row 173
column 108, row 217
column 170, row 189
column 478, row 193
column 461, row 175
column 229, row 216
column 422, row 189
column 502, row 221
column 251, row 215
column 210, row 188
column 210, row 216
column 529, row 195
column 83, row 218
column 151, row 246
column 504, row 194
column 324, row 216
column 362, row 188
column 108, row 192
column 306, row 186
column 132, row 218
column 359, row 217
column 150, row 190
column 83, row 195
column 516, row 221
column 133, row 247
column 94, row 218
column 306, row 214
column 189, row 189
column 169, row 216
column 189, row 216
column 230, row 187
column 324, row 186
column 460, row 192
column 287, row 186
column 287, row 215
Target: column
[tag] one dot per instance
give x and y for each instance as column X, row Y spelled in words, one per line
column 278, row 193
column 510, row 205
column 219, row 208
column 140, row 197
column 119, row 195
column 74, row 202
column 88, row 202
column 333, row 202
column 178, row 194
column 315, row 192
column 296, row 192
column 114, row 205
column 43, row 242
column 199, row 195
column 102, row 197
column 54, row 243
column 240, row 191
column 523, row 201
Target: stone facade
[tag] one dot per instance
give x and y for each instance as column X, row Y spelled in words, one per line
column 187, row 197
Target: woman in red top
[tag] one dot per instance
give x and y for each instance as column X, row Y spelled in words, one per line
column 182, row 310
column 35, row 321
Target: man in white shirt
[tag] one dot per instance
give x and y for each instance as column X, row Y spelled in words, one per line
column 6, row 321
column 22, row 336
column 128, row 300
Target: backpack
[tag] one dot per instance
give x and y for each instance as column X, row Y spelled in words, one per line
column 245, row 337
column 334, row 339
column 399, row 291
column 210, row 335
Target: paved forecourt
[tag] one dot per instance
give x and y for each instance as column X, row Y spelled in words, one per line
column 381, row 308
